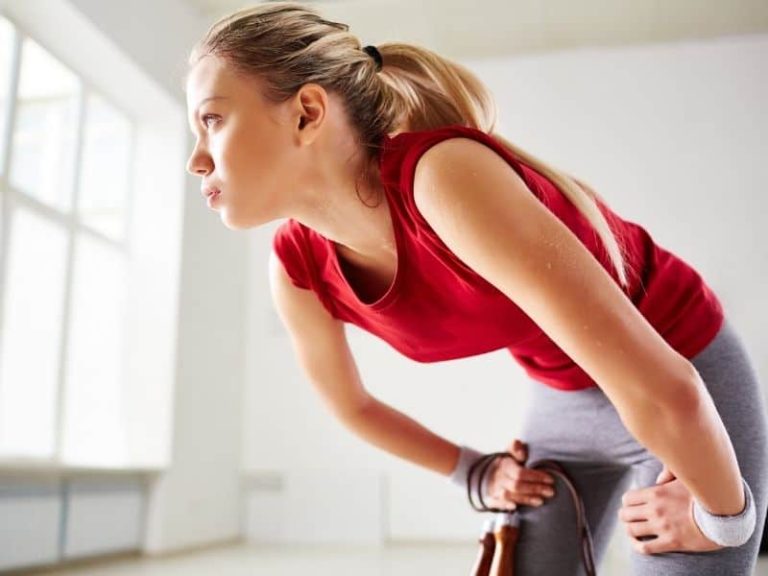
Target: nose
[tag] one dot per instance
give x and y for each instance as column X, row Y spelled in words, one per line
column 199, row 163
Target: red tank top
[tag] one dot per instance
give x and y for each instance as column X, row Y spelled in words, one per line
column 437, row 308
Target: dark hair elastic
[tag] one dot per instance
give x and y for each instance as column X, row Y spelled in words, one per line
column 374, row 53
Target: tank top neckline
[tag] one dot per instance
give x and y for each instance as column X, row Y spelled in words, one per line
column 391, row 292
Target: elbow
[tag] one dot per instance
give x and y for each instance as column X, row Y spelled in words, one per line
column 651, row 419
column 687, row 393
column 352, row 413
column 682, row 394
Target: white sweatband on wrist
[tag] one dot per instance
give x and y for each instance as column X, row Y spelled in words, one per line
column 727, row 530
column 467, row 457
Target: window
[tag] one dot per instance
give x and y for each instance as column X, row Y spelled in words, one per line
column 64, row 259
column 45, row 126
column 6, row 60
column 105, row 175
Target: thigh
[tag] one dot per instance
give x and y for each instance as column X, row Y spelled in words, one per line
column 549, row 544
column 571, row 428
column 731, row 380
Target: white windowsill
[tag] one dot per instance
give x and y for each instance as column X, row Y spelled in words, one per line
column 48, row 467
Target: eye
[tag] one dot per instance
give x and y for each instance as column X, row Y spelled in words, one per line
column 206, row 117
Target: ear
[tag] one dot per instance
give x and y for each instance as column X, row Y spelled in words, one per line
column 311, row 107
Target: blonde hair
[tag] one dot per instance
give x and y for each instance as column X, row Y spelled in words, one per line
column 287, row 44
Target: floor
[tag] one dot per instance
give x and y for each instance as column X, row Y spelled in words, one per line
column 253, row 560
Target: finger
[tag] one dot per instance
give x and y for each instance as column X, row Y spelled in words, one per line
column 517, row 485
column 516, row 479
column 517, row 443
column 665, row 476
column 636, row 497
column 524, row 499
column 535, row 476
column 529, row 494
column 655, row 546
column 640, row 528
column 633, row 513
column 520, row 448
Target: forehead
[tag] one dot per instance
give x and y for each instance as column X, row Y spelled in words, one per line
column 208, row 77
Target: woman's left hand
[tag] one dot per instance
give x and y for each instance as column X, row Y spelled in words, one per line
column 665, row 511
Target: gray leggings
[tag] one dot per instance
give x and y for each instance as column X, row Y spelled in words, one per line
column 583, row 431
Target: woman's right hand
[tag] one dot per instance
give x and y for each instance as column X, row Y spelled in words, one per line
column 509, row 484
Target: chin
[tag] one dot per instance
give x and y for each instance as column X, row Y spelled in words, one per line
column 232, row 222
column 234, row 225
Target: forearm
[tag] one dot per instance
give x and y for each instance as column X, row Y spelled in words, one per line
column 692, row 441
column 396, row 433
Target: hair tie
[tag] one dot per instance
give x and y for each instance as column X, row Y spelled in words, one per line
column 374, row 53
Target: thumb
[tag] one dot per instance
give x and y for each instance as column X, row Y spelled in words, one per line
column 519, row 450
column 665, row 476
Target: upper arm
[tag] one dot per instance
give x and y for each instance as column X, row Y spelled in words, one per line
column 484, row 212
column 319, row 342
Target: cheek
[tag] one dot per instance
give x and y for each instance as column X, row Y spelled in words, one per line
column 249, row 174
column 265, row 165
column 260, row 165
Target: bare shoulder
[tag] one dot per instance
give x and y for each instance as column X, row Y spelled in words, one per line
column 450, row 168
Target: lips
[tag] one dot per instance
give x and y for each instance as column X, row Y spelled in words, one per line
column 208, row 191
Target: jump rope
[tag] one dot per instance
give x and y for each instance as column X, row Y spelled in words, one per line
column 498, row 543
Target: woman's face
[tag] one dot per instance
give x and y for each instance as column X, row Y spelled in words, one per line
column 243, row 144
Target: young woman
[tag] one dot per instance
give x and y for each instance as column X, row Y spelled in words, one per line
column 408, row 217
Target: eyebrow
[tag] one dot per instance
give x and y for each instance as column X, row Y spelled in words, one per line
column 204, row 100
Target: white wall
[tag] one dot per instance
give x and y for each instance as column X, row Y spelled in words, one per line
column 672, row 135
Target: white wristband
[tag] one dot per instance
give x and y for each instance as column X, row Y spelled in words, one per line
column 727, row 530
column 467, row 457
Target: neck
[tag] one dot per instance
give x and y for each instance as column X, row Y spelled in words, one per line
column 351, row 209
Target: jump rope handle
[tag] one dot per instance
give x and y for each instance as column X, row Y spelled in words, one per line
column 485, row 554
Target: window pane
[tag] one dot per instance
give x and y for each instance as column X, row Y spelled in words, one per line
column 94, row 425
column 6, row 53
column 104, row 174
column 44, row 133
column 31, row 336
